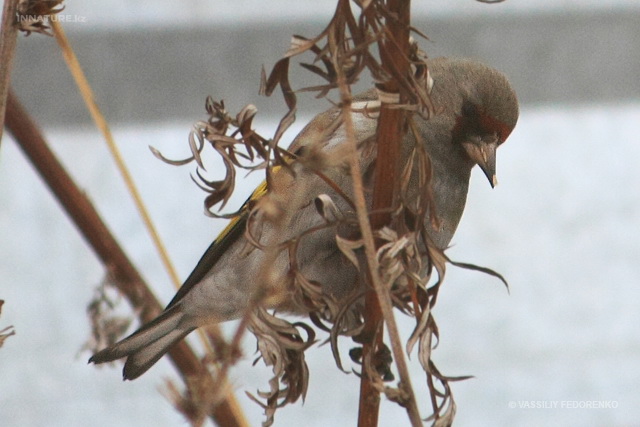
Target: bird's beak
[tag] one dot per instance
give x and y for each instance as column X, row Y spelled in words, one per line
column 484, row 154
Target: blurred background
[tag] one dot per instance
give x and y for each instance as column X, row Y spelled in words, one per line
column 563, row 226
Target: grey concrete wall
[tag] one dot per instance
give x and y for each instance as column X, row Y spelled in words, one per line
column 167, row 73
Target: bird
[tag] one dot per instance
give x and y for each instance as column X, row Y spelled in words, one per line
column 477, row 109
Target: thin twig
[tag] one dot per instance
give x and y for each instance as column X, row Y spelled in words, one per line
column 8, row 37
column 96, row 233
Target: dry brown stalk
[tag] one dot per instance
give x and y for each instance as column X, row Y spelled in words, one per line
column 87, row 95
column 394, row 53
column 94, row 230
column 8, row 36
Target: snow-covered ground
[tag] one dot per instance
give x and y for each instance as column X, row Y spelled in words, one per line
column 563, row 226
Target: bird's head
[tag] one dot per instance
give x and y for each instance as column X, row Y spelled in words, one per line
column 487, row 115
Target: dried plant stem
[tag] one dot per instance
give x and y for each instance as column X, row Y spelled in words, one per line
column 96, row 233
column 369, row 397
column 389, row 144
column 389, row 139
column 369, row 402
column 89, row 99
column 101, row 123
column 8, row 37
column 389, row 136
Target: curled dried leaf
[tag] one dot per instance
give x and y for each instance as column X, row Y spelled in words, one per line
column 348, row 248
column 159, row 155
column 327, row 209
column 481, row 269
column 281, row 346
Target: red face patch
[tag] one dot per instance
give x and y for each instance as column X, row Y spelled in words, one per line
column 475, row 121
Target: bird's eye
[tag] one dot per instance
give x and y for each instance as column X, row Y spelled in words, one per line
column 469, row 109
column 475, row 139
column 491, row 138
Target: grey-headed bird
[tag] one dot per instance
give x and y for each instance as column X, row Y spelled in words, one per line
column 477, row 110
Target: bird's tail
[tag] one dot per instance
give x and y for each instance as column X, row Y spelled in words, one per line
column 147, row 345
